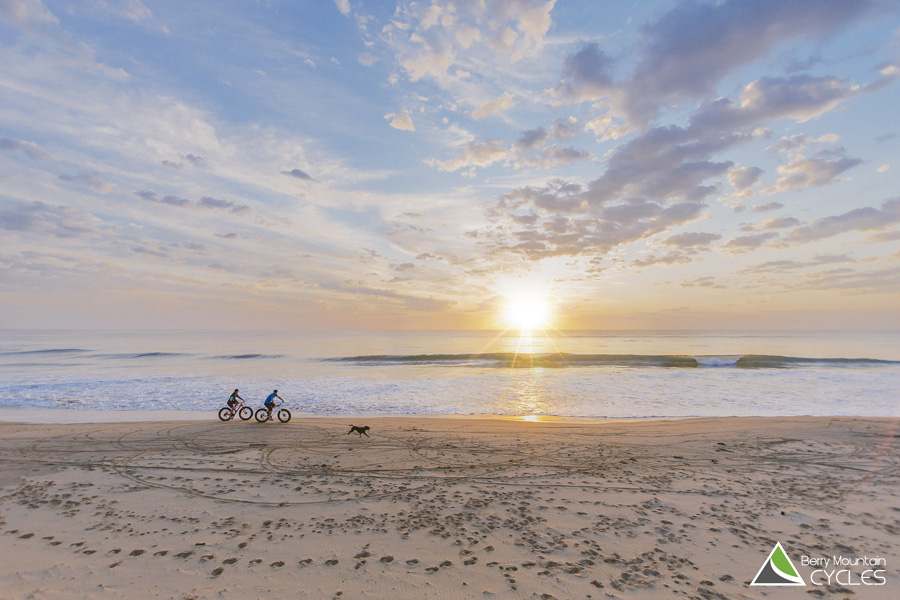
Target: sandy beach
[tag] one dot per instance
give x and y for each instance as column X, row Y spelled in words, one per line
column 443, row 507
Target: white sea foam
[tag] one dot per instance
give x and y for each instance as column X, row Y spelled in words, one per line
column 717, row 361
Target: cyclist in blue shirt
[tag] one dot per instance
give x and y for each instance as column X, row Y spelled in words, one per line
column 270, row 401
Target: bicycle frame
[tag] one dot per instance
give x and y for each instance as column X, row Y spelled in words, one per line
column 237, row 408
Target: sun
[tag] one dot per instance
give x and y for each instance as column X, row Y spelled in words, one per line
column 527, row 312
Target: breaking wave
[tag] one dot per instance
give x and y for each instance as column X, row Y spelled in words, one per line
column 563, row 359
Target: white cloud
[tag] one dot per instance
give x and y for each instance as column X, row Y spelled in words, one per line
column 343, row 6
column 606, row 128
column 465, row 31
column 488, row 108
column 401, row 121
column 466, row 35
column 366, row 59
column 804, row 172
column 430, row 17
column 475, row 154
column 27, row 12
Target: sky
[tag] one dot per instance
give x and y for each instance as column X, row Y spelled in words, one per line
column 360, row 164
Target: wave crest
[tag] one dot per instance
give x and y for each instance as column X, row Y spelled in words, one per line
column 564, row 359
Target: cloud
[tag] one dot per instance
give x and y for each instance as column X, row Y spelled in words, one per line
column 564, row 129
column 804, row 172
column 672, row 258
column 531, row 139
column 693, row 47
column 606, row 128
column 366, row 59
column 743, row 178
column 745, row 243
column 464, row 32
column 703, row 282
column 45, row 219
column 133, row 10
column 799, row 97
column 343, row 6
column 780, row 223
column 152, row 251
column 171, row 200
column 852, row 281
column 477, row 154
column 197, row 161
column 29, row 148
column 401, row 121
column 859, row 219
column 206, row 202
column 91, row 180
column 216, row 203
column 173, row 165
column 586, row 75
column 799, row 142
column 785, row 266
column 768, row 207
column 488, row 108
column 888, row 236
column 691, row 240
column 299, row 174
column 665, row 162
column 27, row 12
column 553, row 156
column 571, row 226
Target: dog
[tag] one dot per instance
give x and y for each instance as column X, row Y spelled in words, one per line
column 360, row 430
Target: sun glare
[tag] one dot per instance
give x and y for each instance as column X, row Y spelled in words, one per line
column 527, row 313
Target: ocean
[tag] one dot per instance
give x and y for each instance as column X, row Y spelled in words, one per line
column 566, row 374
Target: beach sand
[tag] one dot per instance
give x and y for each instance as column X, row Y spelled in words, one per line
column 443, row 507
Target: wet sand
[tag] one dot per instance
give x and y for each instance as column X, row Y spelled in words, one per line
column 442, row 507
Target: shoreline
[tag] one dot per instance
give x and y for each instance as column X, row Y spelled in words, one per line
column 62, row 416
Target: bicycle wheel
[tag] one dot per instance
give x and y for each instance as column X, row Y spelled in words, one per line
column 225, row 413
column 262, row 415
column 284, row 415
column 245, row 413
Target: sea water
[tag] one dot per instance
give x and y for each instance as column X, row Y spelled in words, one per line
column 569, row 374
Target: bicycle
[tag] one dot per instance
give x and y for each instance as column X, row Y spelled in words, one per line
column 263, row 414
column 226, row 413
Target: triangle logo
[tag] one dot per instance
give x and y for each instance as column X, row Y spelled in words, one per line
column 777, row 570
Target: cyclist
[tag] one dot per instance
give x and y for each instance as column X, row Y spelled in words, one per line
column 270, row 402
column 233, row 399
